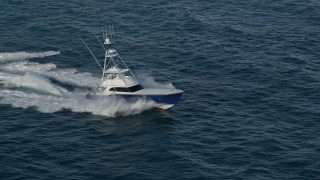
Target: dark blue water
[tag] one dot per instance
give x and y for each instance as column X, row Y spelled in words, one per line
column 250, row 71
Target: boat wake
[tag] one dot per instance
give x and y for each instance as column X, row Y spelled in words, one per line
column 48, row 89
column 32, row 82
column 8, row 56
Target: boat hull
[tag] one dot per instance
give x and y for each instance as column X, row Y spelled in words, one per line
column 164, row 101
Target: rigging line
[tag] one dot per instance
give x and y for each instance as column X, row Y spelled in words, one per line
column 103, row 33
column 114, row 37
column 103, row 73
column 90, row 51
column 99, row 41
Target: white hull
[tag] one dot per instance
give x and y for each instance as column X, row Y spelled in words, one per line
column 165, row 106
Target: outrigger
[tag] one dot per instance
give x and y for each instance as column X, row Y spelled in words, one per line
column 118, row 80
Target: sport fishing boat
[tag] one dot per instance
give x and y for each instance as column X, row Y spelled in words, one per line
column 118, row 80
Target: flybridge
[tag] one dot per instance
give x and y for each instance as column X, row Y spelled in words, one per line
column 113, row 63
column 118, row 80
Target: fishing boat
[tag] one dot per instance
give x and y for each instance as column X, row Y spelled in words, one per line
column 118, row 80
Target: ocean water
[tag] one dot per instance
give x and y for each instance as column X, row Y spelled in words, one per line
column 250, row 71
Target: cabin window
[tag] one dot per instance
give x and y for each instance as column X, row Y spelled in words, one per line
column 124, row 89
column 120, row 89
column 135, row 88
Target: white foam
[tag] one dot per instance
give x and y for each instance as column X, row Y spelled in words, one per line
column 150, row 82
column 32, row 81
column 71, row 76
column 9, row 56
column 109, row 106
column 27, row 66
column 48, row 97
column 76, row 102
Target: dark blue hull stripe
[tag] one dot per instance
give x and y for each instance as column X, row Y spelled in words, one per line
column 161, row 99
